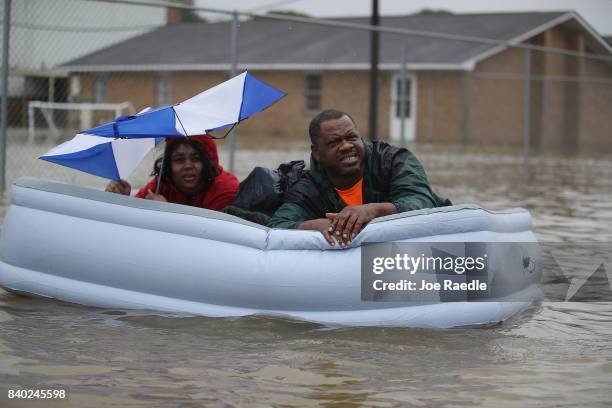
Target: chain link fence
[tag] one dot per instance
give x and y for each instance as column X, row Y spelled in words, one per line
column 74, row 64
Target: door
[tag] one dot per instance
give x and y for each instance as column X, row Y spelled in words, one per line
column 395, row 109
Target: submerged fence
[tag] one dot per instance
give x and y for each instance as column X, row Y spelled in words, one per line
column 534, row 81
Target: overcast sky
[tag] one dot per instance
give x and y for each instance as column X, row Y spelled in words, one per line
column 597, row 12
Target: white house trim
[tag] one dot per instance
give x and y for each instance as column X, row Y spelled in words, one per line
column 525, row 36
column 592, row 31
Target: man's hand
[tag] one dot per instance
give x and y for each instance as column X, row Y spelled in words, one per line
column 322, row 225
column 155, row 197
column 349, row 222
column 119, row 187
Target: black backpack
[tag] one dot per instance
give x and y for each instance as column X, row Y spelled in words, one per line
column 264, row 189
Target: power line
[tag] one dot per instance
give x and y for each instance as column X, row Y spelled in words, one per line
column 76, row 29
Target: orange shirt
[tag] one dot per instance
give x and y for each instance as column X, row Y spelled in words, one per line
column 352, row 195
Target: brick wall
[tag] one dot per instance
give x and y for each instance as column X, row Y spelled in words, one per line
column 496, row 105
column 565, row 114
column 284, row 122
column 349, row 92
column 595, row 124
column 438, row 107
column 452, row 106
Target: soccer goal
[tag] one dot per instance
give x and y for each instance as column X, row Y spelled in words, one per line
column 85, row 119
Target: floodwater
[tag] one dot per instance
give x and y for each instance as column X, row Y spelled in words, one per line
column 555, row 354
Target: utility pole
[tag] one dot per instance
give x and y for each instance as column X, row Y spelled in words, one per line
column 375, row 21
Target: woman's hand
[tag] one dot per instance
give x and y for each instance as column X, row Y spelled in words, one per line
column 155, row 197
column 119, row 187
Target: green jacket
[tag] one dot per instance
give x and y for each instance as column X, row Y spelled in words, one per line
column 391, row 175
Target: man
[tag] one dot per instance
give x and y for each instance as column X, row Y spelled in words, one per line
column 350, row 183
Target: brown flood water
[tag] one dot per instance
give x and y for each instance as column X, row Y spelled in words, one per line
column 555, row 354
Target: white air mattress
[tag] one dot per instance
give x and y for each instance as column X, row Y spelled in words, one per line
column 100, row 249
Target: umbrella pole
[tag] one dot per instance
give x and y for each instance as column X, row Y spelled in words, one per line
column 161, row 168
column 159, row 175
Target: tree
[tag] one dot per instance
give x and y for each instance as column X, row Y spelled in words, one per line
column 433, row 12
column 289, row 13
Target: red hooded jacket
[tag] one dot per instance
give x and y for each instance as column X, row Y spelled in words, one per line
column 220, row 194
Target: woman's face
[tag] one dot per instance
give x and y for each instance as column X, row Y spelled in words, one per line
column 186, row 166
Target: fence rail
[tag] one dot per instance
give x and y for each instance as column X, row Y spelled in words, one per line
column 542, row 89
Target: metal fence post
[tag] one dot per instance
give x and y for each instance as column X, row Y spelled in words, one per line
column 402, row 96
column 526, row 105
column 233, row 72
column 430, row 110
column 464, row 101
column 6, row 30
column 544, row 115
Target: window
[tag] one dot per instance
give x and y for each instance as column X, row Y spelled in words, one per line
column 162, row 89
column 100, row 88
column 312, row 91
column 406, row 97
column 75, row 87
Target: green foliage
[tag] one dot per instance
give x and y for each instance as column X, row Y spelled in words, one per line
column 433, row 12
column 190, row 16
column 290, row 13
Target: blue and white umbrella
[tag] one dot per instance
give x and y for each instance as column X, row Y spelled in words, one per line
column 102, row 156
column 113, row 150
column 216, row 108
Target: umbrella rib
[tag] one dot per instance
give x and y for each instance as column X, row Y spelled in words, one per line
column 226, row 133
column 179, row 120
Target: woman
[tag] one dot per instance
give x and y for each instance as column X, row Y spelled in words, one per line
column 191, row 175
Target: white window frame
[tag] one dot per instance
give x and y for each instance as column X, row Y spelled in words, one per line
column 162, row 89
column 100, row 88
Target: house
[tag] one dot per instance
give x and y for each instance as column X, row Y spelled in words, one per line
column 456, row 92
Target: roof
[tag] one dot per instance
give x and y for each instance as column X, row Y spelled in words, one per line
column 273, row 44
column 47, row 34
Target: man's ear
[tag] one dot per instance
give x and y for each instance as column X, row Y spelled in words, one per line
column 314, row 151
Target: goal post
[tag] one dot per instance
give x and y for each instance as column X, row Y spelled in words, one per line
column 85, row 118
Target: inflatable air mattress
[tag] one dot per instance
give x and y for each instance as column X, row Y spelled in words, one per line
column 106, row 250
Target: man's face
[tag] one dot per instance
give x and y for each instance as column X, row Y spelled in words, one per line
column 339, row 148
